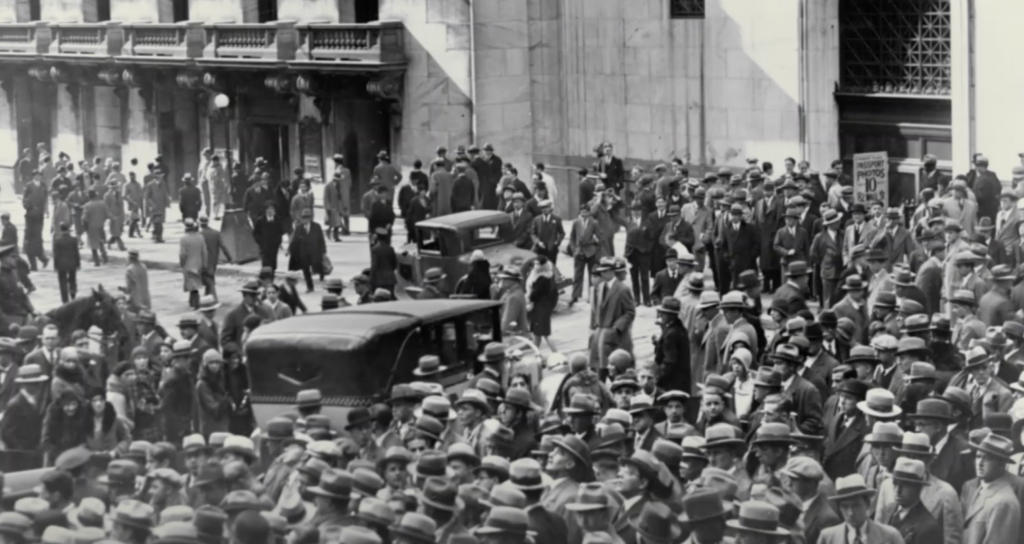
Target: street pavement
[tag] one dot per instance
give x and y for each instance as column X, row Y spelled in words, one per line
column 570, row 326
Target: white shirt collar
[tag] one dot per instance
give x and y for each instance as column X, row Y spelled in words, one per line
column 807, row 503
column 788, row 382
column 852, row 533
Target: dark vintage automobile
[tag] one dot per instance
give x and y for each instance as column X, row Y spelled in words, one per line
column 447, row 242
column 354, row 355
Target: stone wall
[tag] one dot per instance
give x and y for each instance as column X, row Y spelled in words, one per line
column 437, row 108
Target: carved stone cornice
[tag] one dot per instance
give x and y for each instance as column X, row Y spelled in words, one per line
column 387, row 87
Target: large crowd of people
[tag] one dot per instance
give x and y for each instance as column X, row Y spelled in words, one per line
column 875, row 397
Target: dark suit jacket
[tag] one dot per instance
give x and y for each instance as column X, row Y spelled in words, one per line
column 786, row 242
column 795, row 300
column 929, row 280
column 22, row 425
column 648, row 442
column 214, row 245
column 741, row 246
column 827, row 254
column 521, row 229
column 672, row 356
column 950, row 465
column 917, row 527
column 549, row 231
column 583, row 240
column 768, row 219
column 844, row 308
column 8, row 388
column 665, row 285
column 307, row 248
column 842, row 446
column 383, row 263
column 190, row 201
column 807, row 401
column 233, row 325
column 65, row 253
column 617, row 309
column 913, row 292
column 549, row 528
column 899, row 246
column 819, row 515
column 820, row 373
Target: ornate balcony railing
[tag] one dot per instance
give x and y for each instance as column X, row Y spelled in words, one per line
column 24, row 38
column 87, row 39
column 277, row 40
column 183, row 40
column 379, row 42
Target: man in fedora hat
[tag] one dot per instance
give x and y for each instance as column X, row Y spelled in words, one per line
column 439, row 500
column 988, row 393
column 791, row 242
column 737, row 247
column 704, row 512
column 672, row 349
column 307, row 249
column 215, row 247
column 22, row 424
column 991, row 508
column 570, row 459
column 847, row 430
column 852, row 500
column 591, row 512
column 859, row 232
column 907, row 513
column 827, row 252
column 612, row 317
column 131, row 522
column 514, row 318
column 233, row 324
column 757, row 523
column 937, row 496
column 995, row 307
column 804, row 395
column 853, row 306
column 803, row 479
column 193, row 261
column 794, row 290
column 966, row 325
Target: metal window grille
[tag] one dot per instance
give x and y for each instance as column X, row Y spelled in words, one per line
column 894, row 47
column 686, row 9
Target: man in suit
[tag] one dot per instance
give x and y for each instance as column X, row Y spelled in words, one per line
column 656, row 222
column 1007, row 220
column 616, row 310
column 22, row 425
column 794, row 291
column 858, row 232
column 791, row 241
column 639, row 245
column 214, row 248
column 233, row 326
column 929, row 276
column 804, row 477
column 583, row 246
column 853, row 306
column 47, row 355
column 966, row 325
column 739, row 243
column 995, row 307
column 805, row 397
column 733, row 306
column 820, row 363
column 853, row 501
column 961, row 209
column 67, row 261
column 826, row 251
column 307, row 249
column 522, row 221
column 988, row 393
column 571, row 458
column 667, row 281
column 546, row 232
column 846, row 433
column 907, row 514
column 946, row 468
column 898, row 245
column 768, row 214
column 644, row 410
column 991, row 509
column 9, row 353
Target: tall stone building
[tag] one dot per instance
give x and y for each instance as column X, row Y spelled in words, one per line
column 714, row 82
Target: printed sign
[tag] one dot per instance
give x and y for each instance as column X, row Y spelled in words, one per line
column 871, row 177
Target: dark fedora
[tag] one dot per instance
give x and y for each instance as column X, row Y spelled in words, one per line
column 431, row 463
column 417, row 527
column 334, row 483
column 656, row 525
column 441, row 493
column 576, row 447
column 854, row 283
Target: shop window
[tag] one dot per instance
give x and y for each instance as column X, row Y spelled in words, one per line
column 267, row 10
column 686, row 9
column 103, row 10
column 35, row 11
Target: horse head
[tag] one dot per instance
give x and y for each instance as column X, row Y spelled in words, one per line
column 104, row 312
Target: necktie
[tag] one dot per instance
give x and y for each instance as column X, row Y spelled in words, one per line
column 856, row 235
column 976, row 392
column 856, row 537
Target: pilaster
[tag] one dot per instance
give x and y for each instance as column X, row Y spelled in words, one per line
column 142, row 11
column 963, row 90
column 68, row 135
column 8, row 126
column 141, row 141
column 83, row 11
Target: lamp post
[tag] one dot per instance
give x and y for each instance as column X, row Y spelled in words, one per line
column 223, row 102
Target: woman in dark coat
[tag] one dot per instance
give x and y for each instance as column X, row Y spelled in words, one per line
column 478, row 282
column 543, row 297
column 106, row 432
column 212, row 401
column 307, row 249
column 236, row 382
column 65, row 426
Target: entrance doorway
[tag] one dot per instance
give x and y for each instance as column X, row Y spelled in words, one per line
column 270, row 141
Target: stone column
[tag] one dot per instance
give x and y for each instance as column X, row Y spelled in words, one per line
column 108, row 123
column 142, row 11
column 222, row 11
column 819, row 76
column 68, row 136
column 317, row 11
column 142, row 130
column 961, row 57
column 8, row 127
column 437, row 89
column 68, row 10
column 998, row 109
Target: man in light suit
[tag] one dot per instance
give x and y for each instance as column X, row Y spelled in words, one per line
column 988, row 393
column 791, row 241
column 853, row 500
column 47, row 355
column 858, row 232
column 583, row 246
column 714, row 335
column 960, row 208
column 929, row 276
column 614, row 316
column 1007, row 220
column 991, row 509
column 853, row 306
column 899, row 244
column 732, row 307
column 966, row 325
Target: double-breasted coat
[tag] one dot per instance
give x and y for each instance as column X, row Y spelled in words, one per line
column 307, row 248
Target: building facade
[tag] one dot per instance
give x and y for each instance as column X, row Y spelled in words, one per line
column 714, row 82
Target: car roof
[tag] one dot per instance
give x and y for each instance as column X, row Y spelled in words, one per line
column 364, row 321
column 470, row 219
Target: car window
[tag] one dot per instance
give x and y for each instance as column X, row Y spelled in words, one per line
column 431, row 241
column 482, row 237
